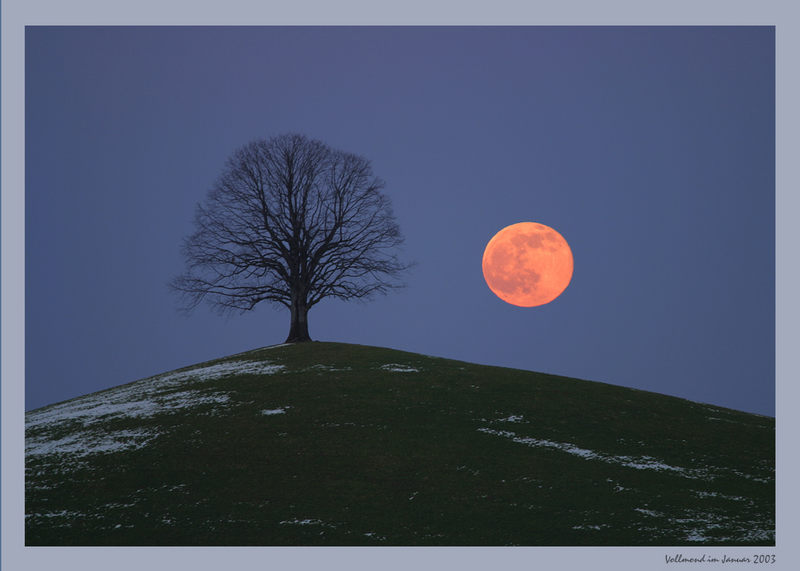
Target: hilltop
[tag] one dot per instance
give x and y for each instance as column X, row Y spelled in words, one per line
column 336, row 444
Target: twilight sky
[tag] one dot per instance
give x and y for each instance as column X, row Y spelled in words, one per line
column 651, row 150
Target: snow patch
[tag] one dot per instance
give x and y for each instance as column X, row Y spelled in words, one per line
column 753, row 478
column 70, row 427
column 719, row 419
column 84, row 443
column 695, row 536
column 296, row 521
column 617, row 486
column 701, row 494
column 192, row 398
column 122, row 403
column 638, row 463
column 225, row 369
column 144, row 398
column 328, row 368
column 397, row 368
column 271, row 412
column 63, row 513
column 750, row 535
column 512, row 418
column 651, row 513
column 308, row 521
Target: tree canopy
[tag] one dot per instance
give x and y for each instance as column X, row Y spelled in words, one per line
column 291, row 221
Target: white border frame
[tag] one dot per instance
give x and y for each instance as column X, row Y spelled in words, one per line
column 16, row 14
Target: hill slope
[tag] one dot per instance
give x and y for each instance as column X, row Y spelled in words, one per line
column 327, row 443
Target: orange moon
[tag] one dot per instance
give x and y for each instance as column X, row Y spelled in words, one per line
column 527, row 264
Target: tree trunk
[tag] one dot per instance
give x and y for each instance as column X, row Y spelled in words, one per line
column 298, row 331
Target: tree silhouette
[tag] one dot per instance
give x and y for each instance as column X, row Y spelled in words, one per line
column 291, row 221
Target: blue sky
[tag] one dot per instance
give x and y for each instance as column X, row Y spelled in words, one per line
column 651, row 150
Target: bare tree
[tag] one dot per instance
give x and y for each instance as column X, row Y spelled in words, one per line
column 291, row 221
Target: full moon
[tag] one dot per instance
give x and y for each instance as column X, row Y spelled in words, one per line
column 527, row 264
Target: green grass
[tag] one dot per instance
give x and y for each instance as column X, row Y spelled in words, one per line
column 368, row 456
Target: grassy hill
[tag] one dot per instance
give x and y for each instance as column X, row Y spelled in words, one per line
column 335, row 444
